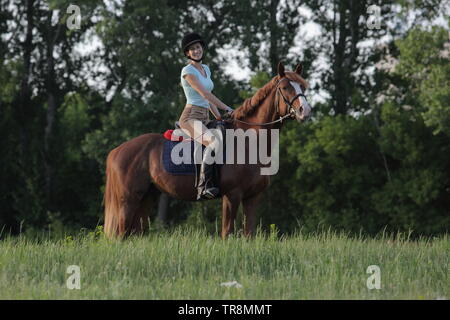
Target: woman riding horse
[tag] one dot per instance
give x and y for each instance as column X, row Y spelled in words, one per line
column 135, row 174
column 197, row 85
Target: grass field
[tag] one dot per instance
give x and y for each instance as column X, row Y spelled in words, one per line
column 187, row 264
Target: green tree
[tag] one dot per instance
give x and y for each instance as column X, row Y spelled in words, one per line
column 413, row 132
column 37, row 72
column 427, row 68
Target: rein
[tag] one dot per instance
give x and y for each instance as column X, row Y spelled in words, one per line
column 290, row 114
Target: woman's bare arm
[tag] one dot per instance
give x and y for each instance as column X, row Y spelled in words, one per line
column 214, row 111
column 212, row 99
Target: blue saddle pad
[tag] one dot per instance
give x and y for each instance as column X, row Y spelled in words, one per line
column 178, row 169
column 182, row 168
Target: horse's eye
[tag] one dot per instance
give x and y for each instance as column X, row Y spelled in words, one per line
column 284, row 88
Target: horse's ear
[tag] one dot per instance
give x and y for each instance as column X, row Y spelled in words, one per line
column 281, row 69
column 299, row 69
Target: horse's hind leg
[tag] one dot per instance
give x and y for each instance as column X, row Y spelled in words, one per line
column 249, row 208
column 135, row 213
column 128, row 210
column 142, row 217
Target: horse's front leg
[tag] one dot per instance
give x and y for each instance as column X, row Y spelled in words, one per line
column 230, row 205
column 249, row 206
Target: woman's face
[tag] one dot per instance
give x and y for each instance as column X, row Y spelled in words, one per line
column 195, row 51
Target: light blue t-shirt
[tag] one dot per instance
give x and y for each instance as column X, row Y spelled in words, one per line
column 192, row 96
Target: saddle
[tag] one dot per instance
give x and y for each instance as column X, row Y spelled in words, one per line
column 177, row 136
column 211, row 124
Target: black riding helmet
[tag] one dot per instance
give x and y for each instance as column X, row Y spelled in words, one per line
column 190, row 39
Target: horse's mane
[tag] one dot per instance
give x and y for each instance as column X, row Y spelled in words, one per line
column 251, row 104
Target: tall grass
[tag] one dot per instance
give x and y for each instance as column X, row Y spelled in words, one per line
column 190, row 264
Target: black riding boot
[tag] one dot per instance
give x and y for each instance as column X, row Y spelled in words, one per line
column 206, row 188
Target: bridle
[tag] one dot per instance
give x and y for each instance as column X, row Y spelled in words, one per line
column 291, row 111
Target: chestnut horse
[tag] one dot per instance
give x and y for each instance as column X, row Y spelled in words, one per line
column 135, row 175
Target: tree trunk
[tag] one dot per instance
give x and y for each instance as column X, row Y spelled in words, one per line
column 163, row 206
column 52, row 105
column 22, row 101
column 273, row 49
column 340, row 73
column 345, row 51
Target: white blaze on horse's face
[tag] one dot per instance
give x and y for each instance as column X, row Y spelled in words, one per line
column 304, row 105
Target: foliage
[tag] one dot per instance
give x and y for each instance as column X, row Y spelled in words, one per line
column 427, row 68
column 374, row 156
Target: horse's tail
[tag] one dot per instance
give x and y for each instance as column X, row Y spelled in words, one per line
column 111, row 199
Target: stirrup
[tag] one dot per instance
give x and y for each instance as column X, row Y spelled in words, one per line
column 209, row 193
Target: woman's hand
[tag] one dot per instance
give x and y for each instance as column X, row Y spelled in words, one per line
column 228, row 115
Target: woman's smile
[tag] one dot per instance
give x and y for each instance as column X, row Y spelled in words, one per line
column 196, row 51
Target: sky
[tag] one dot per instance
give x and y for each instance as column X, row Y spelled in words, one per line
column 307, row 31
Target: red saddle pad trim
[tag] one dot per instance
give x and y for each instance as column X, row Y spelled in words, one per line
column 172, row 137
